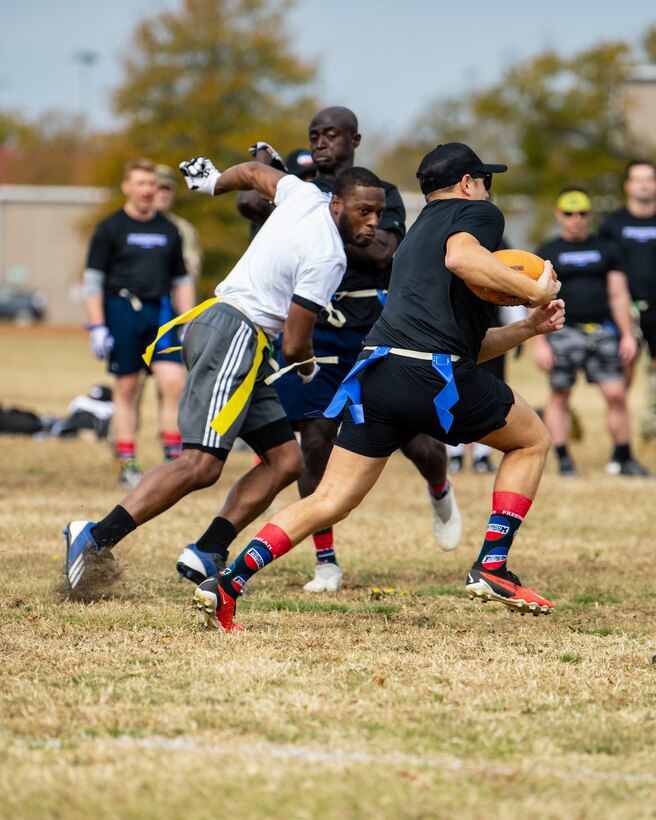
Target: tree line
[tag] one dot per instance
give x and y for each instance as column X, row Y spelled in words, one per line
column 216, row 75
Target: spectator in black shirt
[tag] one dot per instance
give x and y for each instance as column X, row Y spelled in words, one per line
column 598, row 334
column 634, row 229
column 134, row 270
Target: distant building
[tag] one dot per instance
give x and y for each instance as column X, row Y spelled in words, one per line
column 43, row 244
column 639, row 102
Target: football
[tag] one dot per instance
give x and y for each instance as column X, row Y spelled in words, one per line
column 523, row 262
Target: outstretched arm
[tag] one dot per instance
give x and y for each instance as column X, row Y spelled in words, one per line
column 201, row 175
column 545, row 319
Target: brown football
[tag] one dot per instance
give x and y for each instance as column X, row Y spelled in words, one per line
column 523, row 262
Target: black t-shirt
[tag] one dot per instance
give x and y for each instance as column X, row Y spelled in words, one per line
column 637, row 240
column 143, row 257
column 583, row 268
column 429, row 308
column 362, row 312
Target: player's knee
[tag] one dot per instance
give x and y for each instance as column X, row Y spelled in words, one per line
column 285, row 462
column 335, row 506
column 289, row 467
column 201, row 469
column 542, row 438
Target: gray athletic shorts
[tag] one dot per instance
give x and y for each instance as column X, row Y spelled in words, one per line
column 594, row 350
column 218, row 351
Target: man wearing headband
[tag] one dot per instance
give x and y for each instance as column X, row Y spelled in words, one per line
column 597, row 337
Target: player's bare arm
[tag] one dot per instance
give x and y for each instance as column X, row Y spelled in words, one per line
column 201, row 175
column 297, row 337
column 619, row 300
column 379, row 254
column 543, row 320
column 473, row 263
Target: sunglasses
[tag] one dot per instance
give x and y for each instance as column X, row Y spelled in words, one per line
column 487, row 180
column 578, row 213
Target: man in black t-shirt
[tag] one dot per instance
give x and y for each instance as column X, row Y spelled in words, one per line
column 417, row 374
column 134, row 267
column 339, row 331
column 598, row 334
column 634, row 230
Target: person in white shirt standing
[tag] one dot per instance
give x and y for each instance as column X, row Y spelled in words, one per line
column 286, row 276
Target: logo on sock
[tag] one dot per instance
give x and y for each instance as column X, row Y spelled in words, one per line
column 497, row 528
column 227, row 570
column 254, row 560
column 495, row 559
column 238, row 583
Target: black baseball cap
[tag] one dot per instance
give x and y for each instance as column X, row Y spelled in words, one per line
column 300, row 163
column 448, row 163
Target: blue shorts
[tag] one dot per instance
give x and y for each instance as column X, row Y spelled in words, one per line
column 133, row 330
column 299, row 399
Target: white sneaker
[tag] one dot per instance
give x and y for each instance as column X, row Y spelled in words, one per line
column 447, row 523
column 327, row 578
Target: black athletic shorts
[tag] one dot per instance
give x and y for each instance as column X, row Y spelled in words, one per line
column 397, row 397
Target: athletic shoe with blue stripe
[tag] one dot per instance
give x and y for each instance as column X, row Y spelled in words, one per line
column 197, row 565
column 80, row 547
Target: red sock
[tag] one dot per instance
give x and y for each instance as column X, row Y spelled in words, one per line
column 126, row 450
column 511, row 504
column 172, row 443
column 438, row 491
column 275, row 539
column 324, row 547
column 508, row 511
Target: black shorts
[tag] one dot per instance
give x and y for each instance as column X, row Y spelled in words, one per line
column 397, row 397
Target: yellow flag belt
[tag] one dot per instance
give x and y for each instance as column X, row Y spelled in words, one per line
column 229, row 413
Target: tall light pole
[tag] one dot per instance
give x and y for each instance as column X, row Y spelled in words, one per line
column 87, row 60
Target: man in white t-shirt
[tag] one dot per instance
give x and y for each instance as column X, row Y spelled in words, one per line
column 288, row 273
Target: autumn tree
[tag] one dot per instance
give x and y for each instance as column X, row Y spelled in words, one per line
column 554, row 120
column 54, row 149
column 209, row 80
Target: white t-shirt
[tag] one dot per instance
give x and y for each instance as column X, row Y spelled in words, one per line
column 297, row 252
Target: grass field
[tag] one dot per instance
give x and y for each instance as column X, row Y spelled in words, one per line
column 411, row 703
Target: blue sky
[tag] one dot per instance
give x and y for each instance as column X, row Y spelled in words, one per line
column 383, row 59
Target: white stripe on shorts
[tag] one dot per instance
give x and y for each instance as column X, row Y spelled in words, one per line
column 224, row 381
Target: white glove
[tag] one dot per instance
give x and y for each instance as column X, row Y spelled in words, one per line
column 200, row 175
column 276, row 160
column 306, row 379
column 101, row 340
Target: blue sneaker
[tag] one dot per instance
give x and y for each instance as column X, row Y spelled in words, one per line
column 80, row 546
column 197, row 565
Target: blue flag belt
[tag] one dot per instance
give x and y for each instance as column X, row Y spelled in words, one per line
column 350, row 387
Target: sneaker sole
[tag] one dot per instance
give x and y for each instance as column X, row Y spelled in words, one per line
column 188, row 573
column 484, row 592
column 206, row 603
column 75, row 572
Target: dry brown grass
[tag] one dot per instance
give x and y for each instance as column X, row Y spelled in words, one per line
column 414, row 705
